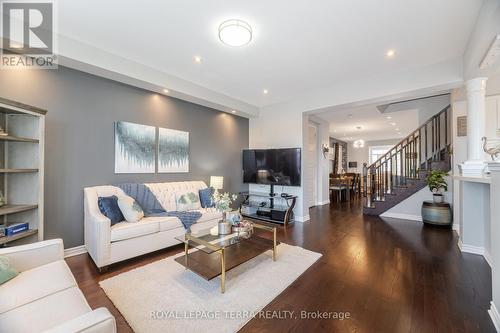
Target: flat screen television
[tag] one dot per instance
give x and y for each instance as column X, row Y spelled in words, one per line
column 272, row 166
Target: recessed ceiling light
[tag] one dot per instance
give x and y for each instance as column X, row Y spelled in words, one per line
column 399, row 133
column 265, row 91
column 397, row 129
column 393, row 124
column 165, row 91
column 389, row 117
column 390, row 53
column 235, row 32
column 234, row 111
column 197, row 59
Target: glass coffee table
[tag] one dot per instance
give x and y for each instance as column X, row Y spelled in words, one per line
column 218, row 254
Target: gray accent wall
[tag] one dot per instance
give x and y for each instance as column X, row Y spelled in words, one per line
column 79, row 138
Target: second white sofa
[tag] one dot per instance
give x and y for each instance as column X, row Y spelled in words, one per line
column 45, row 297
column 108, row 244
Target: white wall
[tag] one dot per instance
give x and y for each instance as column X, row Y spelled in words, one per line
column 409, row 209
column 276, row 129
column 361, row 155
column 426, row 107
column 431, row 106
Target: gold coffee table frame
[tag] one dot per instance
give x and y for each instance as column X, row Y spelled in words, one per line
column 188, row 237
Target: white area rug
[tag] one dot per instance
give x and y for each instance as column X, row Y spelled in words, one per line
column 165, row 297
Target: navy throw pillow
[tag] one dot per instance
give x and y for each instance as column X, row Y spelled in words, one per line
column 206, row 199
column 109, row 208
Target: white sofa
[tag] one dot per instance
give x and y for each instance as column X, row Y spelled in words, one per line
column 44, row 297
column 108, row 244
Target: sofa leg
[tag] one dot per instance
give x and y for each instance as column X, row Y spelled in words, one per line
column 103, row 269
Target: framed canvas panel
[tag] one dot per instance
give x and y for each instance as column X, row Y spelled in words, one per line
column 135, row 147
column 173, row 151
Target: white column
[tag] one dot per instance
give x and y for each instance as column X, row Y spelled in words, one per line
column 476, row 126
column 476, row 117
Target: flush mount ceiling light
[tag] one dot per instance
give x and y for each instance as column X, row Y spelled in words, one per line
column 390, row 53
column 265, row 91
column 359, row 144
column 235, row 33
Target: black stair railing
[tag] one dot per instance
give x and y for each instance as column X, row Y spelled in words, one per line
column 414, row 153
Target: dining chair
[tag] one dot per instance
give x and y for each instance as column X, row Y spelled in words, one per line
column 337, row 186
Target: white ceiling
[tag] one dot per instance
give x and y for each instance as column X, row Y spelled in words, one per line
column 374, row 125
column 299, row 46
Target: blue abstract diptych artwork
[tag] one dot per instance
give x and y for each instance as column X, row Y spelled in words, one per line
column 173, row 150
column 135, row 147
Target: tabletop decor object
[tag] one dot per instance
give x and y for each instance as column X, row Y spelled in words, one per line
column 223, row 204
column 493, row 151
column 244, row 228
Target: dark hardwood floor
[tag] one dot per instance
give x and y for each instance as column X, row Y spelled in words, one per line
column 391, row 276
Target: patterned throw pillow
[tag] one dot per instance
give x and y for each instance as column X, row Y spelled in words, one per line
column 109, row 208
column 187, row 201
column 206, row 197
column 6, row 271
column 130, row 209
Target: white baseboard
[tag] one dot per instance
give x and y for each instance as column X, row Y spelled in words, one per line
column 321, row 203
column 74, row 251
column 475, row 250
column 487, row 257
column 402, row 216
column 470, row 248
column 302, row 218
column 495, row 316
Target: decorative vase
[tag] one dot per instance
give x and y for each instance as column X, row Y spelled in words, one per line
column 224, row 228
column 438, row 198
column 437, row 213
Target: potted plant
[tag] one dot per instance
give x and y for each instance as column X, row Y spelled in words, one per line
column 437, row 184
column 223, row 204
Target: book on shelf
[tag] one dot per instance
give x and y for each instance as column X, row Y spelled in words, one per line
column 16, row 228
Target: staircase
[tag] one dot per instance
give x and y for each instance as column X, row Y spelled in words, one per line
column 403, row 170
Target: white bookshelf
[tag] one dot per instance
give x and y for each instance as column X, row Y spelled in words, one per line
column 21, row 170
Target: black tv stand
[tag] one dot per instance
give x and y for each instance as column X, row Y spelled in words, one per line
column 271, row 196
column 268, row 207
